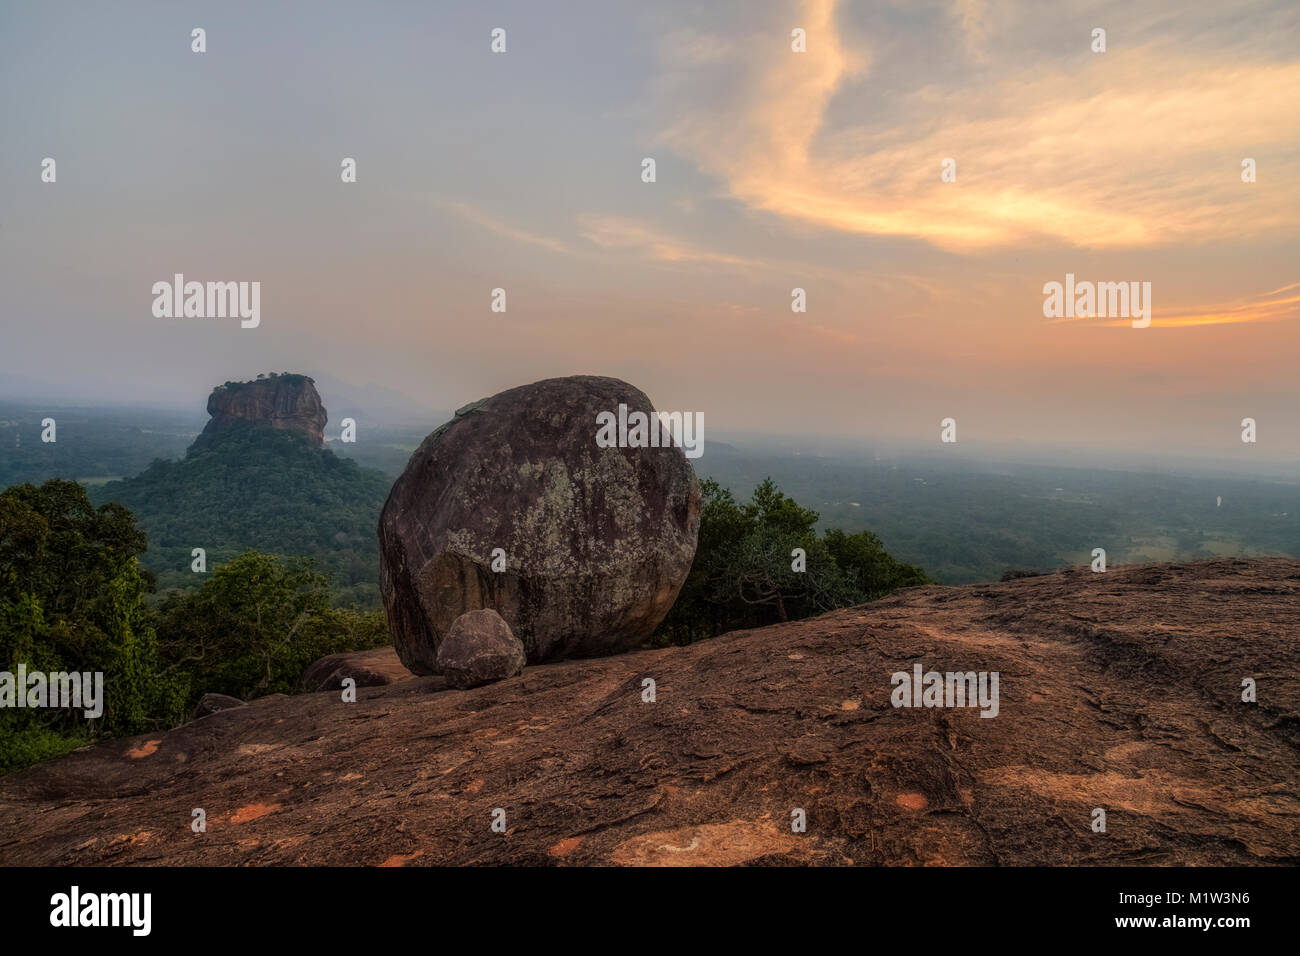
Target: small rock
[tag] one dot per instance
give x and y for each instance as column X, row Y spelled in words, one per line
column 480, row 648
column 807, row 751
column 211, row 703
column 372, row 668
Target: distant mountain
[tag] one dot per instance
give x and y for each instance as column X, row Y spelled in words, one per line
column 257, row 478
column 288, row 402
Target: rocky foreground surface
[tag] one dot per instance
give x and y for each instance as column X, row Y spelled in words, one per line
column 1119, row 690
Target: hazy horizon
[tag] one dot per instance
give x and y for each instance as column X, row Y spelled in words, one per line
column 417, row 419
column 819, row 170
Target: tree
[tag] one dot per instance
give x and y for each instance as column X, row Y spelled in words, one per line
column 744, row 572
column 254, row 486
column 72, row 598
column 870, row 569
column 254, row 626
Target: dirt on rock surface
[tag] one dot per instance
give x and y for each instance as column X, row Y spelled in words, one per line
column 1120, row 690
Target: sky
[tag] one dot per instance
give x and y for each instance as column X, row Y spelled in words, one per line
column 774, row 170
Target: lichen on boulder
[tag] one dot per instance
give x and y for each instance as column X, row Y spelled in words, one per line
column 513, row 506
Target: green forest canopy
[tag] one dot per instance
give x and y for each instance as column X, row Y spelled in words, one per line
column 73, row 596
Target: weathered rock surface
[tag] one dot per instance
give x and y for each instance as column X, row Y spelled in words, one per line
column 212, row 703
column 597, row 541
column 372, row 668
column 288, row 402
column 479, row 649
column 1119, row 690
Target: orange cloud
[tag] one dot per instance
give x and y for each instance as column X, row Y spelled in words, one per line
column 613, row 232
column 480, row 218
column 1264, row 308
column 1133, row 147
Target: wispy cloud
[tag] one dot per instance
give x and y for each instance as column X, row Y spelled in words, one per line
column 1268, row 307
column 608, row 234
column 1135, row 147
column 620, row 233
column 492, row 224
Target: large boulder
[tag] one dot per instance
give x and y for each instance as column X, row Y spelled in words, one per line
column 479, row 649
column 596, row 541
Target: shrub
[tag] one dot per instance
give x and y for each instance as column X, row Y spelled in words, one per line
column 743, row 573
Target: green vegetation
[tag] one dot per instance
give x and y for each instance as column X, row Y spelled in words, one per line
column 744, row 573
column 385, row 449
column 91, row 445
column 967, row 521
column 262, row 488
column 255, row 625
column 286, row 378
column 72, row 598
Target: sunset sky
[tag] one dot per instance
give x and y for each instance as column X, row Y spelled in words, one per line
column 775, row 170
